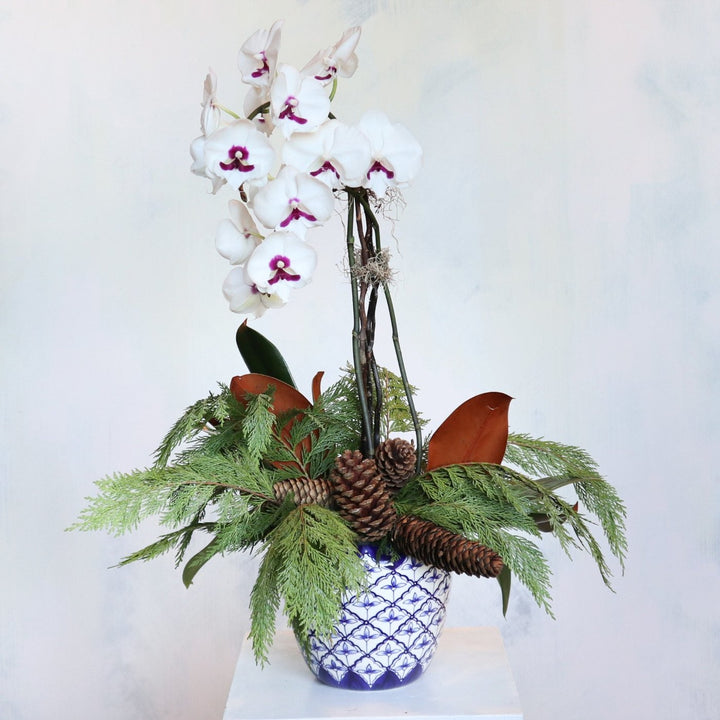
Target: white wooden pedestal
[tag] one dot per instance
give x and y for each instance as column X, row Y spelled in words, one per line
column 469, row 678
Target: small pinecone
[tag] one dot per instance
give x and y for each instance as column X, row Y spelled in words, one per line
column 395, row 459
column 444, row 549
column 361, row 497
column 306, row 492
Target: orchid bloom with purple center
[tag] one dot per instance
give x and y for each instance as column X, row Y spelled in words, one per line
column 279, row 263
column 335, row 153
column 237, row 236
column 258, row 56
column 395, row 155
column 297, row 103
column 244, row 296
column 238, row 153
column 340, row 59
column 294, row 201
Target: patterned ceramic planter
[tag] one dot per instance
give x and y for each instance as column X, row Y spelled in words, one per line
column 386, row 636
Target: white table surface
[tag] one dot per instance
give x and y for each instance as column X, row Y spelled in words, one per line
column 468, row 678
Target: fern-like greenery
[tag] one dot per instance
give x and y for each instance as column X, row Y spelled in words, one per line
column 214, row 476
column 503, row 507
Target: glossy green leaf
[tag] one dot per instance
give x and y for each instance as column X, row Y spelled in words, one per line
column 505, row 580
column 198, row 560
column 260, row 355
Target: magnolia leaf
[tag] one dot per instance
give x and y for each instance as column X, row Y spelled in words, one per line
column 198, row 560
column 505, row 580
column 316, row 389
column 260, row 355
column 476, row 432
column 285, row 398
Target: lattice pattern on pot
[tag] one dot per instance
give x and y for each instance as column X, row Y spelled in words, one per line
column 387, row 634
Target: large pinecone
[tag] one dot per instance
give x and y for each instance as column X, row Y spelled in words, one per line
column 444, row 549
column 395, row 459
column 305, row 492
column 361, row 497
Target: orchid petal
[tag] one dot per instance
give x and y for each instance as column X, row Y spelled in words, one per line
column 238, row 153
column 199, row 164
column 258, row 56
column 298, row 104
column 340, row 59
column 255, row 98
column 335, row 153
column 280, row 263
column 210, row 115
column 237, row 236
column 245, row 298
column 293, row 201
column 396, row 156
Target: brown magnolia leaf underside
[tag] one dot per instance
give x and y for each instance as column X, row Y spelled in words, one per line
column 475, row 432
column 285, row 398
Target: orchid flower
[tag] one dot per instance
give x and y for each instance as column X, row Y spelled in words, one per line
column 238, row 153
column 210, row 115
column 237, row 236
column 298, row 104
column 396, row 156
column 335, row 153
column 209, row 122
column 258, row 56
column 293, row 201
column 245, row 298
column 340, row 59
column 280, row 263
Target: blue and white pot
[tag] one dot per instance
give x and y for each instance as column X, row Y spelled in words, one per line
column 387, row 635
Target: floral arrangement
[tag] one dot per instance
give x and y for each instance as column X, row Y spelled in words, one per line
column 256, row 465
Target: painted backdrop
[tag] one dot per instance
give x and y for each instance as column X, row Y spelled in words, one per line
column 560, row 245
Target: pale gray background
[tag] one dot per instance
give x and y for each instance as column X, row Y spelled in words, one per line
column 561, row 245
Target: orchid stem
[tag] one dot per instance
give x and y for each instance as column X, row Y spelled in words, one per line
column 396, row 338
column 227, row 110
column 259, row 109
column 366, row 443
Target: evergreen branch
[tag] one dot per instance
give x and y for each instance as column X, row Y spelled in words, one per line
column 264, row 604
column 163, row 544
column 258, row 424
column 537, row 456
column 601, row 499
column 175, row 493
column 210, row 410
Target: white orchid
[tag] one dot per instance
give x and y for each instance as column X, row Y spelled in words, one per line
column 396, row 156
column 209, row 122
column 340, row 59
column 244, row 297
column 293, row 201
column 210, row 114
column 258, row 56
column 335, row 153
column 238, row 153
column 281, row 263
column 298, row 103
column 237, row 236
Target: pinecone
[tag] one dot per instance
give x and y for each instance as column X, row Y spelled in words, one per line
column 306, row 492
column 361, row 497
column 444, row 549
column 395, row 459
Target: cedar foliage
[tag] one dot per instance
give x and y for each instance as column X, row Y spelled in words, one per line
column 214, row 477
